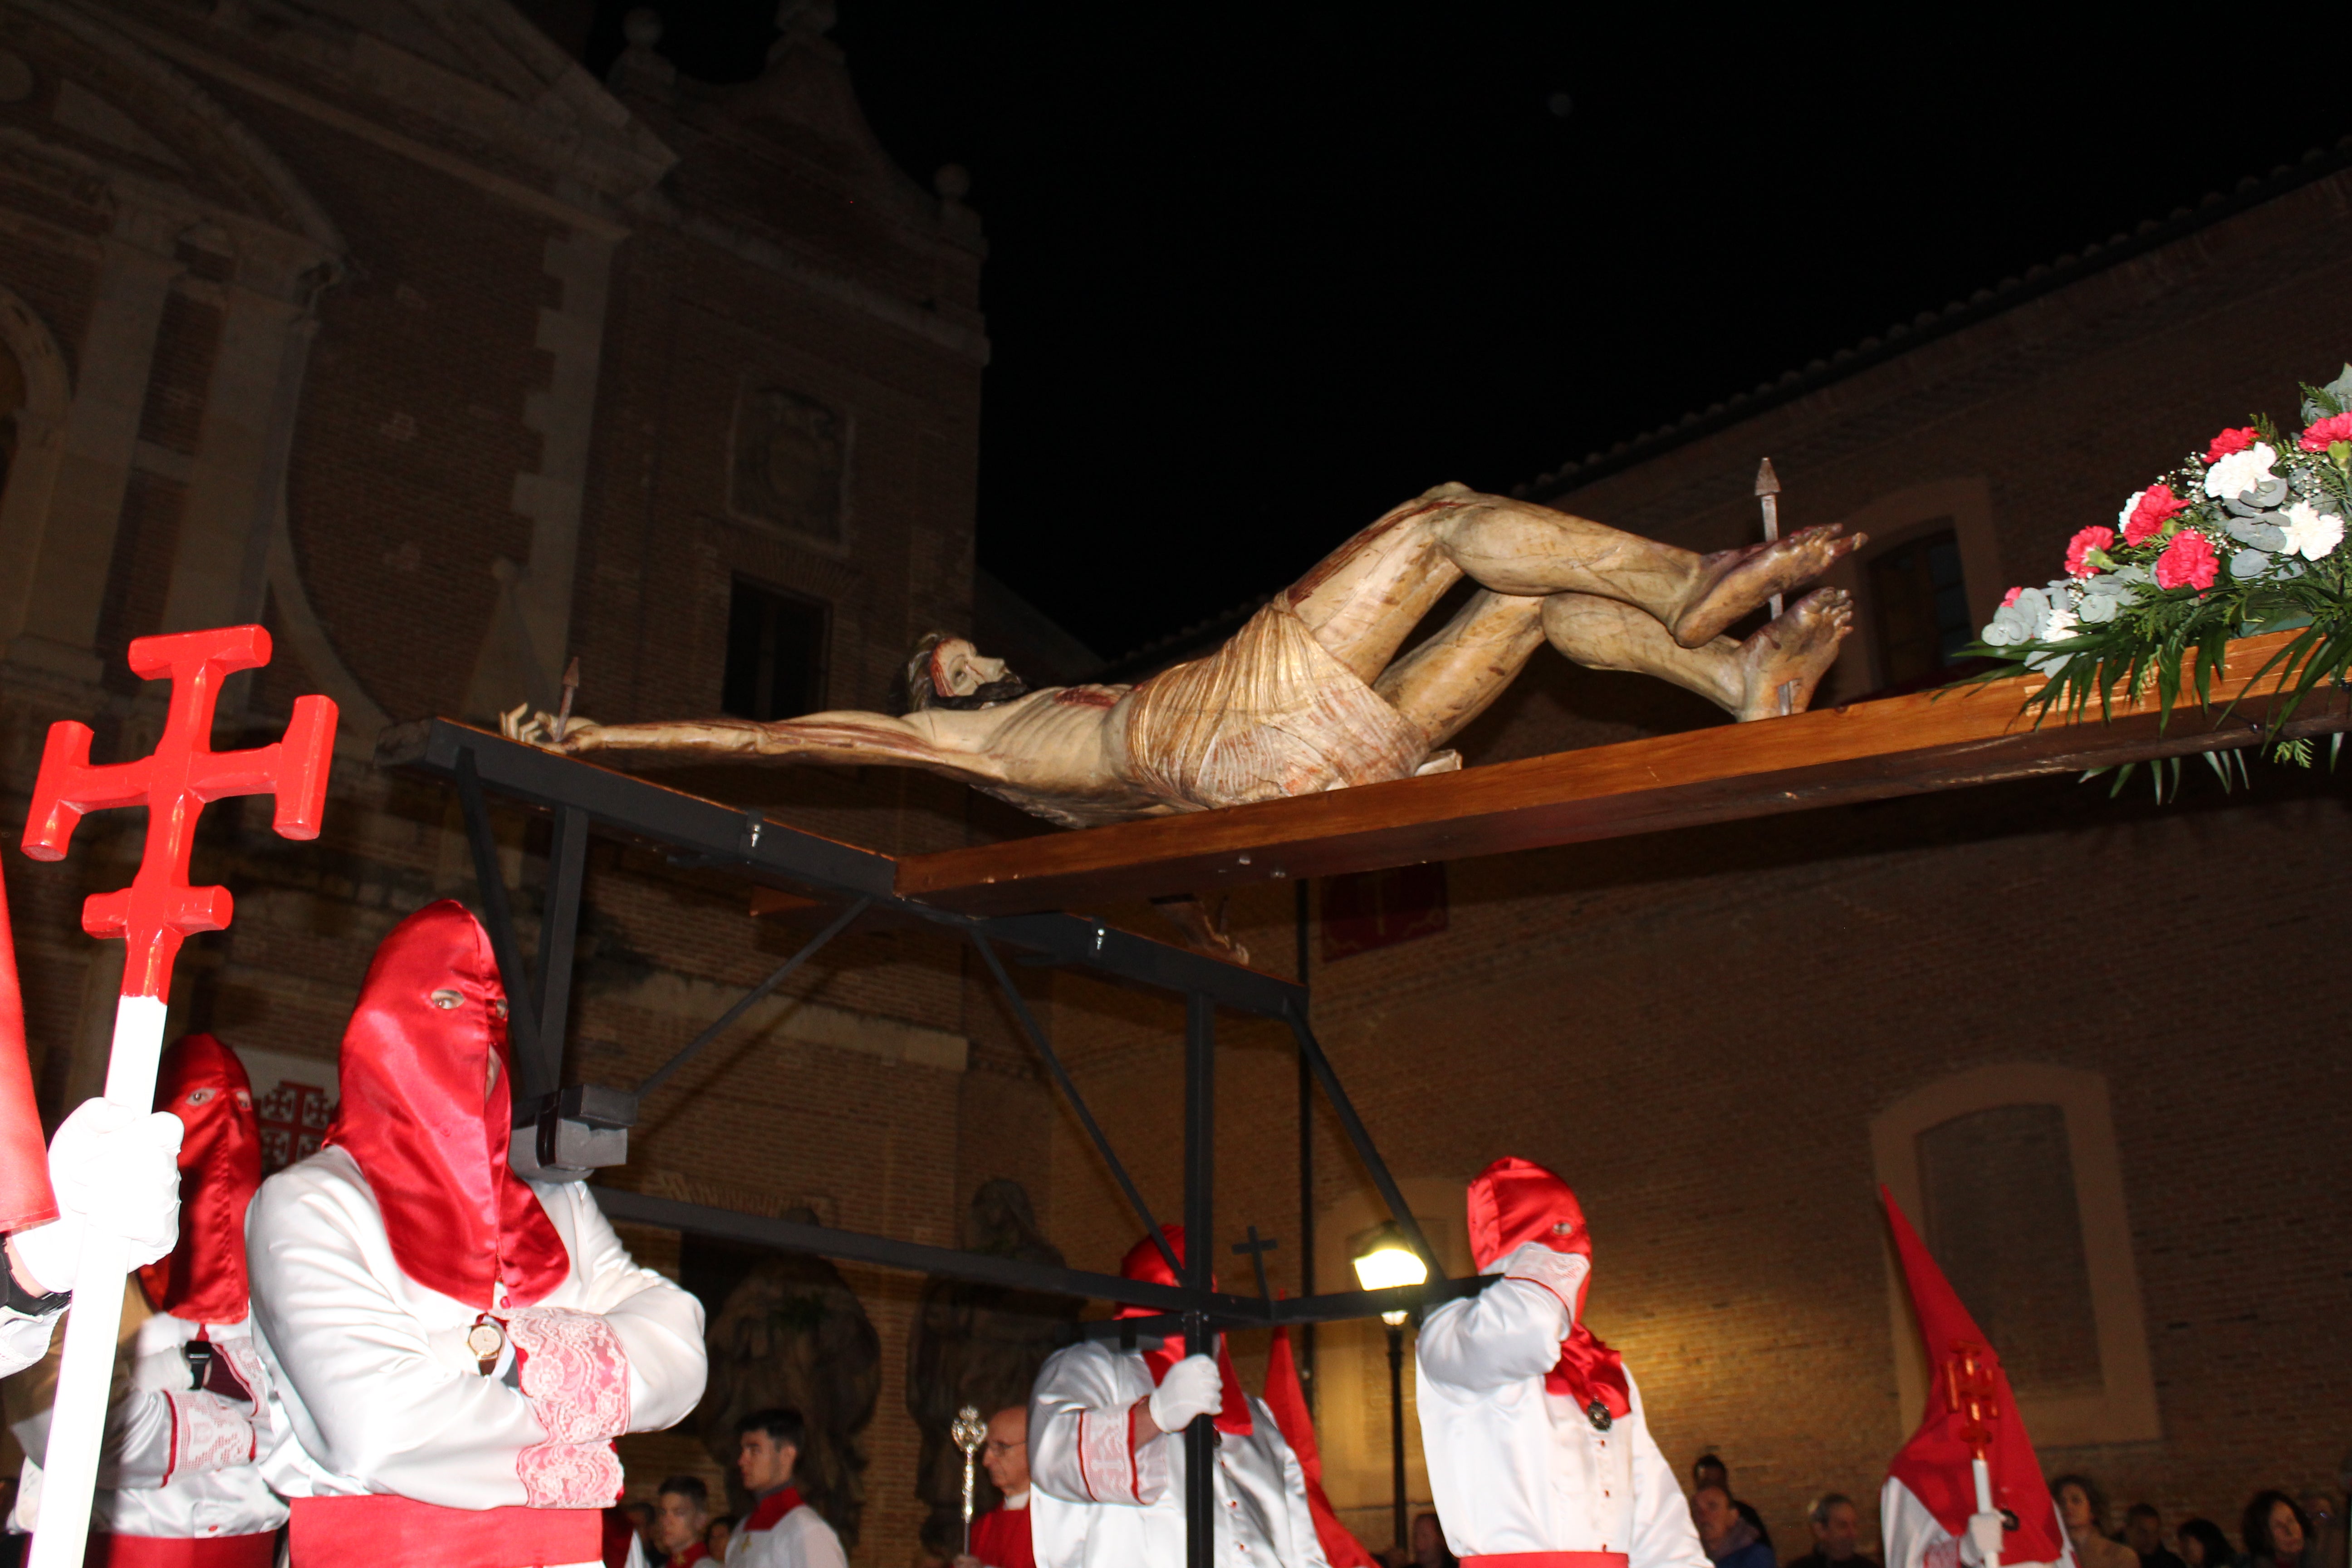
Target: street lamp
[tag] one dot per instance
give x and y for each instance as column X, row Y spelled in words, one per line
column 1383, row 1259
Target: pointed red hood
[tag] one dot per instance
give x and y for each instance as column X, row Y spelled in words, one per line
column 428, row 1123
column 1287, row 1399
column 1937, row 1463
column 203, row 1277
column 1513, row 1202
column 1144, row 1263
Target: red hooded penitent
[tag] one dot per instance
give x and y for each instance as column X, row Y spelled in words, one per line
column 1144, row 1263
column 203, row 1277
column 427, row 1113
column 1513, row 1202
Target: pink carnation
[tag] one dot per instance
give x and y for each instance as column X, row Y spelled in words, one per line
column 2187, row 563
column 2156, row 507
column 2079, row 548
column 2333, row 428
column 2230, row 441
column 2011, row 597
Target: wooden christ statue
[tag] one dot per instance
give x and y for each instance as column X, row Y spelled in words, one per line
column 1312, row 694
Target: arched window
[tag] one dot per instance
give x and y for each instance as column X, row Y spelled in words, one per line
column 1929, row 577
column 2011, row 1174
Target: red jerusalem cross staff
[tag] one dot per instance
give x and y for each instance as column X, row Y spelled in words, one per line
column 1974, row 1396
column 154, row 916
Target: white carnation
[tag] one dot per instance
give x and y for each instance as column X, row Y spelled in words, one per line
column 2239, row 472
column 2061, row 626
column 2123, row 518
column 2311, row 532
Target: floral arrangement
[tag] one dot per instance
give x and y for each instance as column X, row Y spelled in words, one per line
column 2247, row 537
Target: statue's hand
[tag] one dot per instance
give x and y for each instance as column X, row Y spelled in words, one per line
column 538, row 729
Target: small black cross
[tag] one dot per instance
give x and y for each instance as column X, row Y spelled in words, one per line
column 1256, row 1251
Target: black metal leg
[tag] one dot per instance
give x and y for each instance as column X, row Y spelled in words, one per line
column 1062, row 1080
column 1354, row 1126
column 1200, row 1250
column 1305, row 1169
column 776, row 977
column 498, row 915
column 559, row 935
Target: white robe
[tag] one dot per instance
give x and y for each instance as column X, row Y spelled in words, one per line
column 178, row 1463
column 24, row 1337
column 801, row 1539
column 374, row 1388
column 1099, row 1501
column 1514, row 1467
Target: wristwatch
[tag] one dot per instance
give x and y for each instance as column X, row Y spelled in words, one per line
column 16, row 1299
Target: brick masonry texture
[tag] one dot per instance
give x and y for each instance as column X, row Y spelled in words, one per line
column 1696, row 1029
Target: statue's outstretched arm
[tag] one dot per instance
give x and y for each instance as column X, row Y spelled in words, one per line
column 931, row 739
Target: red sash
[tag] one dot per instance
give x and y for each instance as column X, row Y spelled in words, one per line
column 338, row 1532
column 773, row 1507
column 171, row 1552
column 1548, row 1559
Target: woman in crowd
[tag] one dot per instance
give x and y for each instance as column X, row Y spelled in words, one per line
column 2083, row 1510
column 2275, row 1531
column 2202, row 1544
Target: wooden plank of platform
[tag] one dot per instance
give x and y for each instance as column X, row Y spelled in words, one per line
column 1868, row 751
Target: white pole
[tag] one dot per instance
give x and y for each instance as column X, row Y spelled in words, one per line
column 86, row 1372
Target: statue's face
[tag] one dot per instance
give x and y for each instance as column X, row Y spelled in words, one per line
column 959, row 669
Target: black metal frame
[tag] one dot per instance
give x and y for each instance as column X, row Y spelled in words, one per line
column 584, row 1126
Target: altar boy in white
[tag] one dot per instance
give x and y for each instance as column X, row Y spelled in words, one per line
column 451, row 1348
column 1106, row 1454
column 1538, row 1452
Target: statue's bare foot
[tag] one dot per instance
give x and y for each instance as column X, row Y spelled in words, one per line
column 1733, row 581
column 1794, row 651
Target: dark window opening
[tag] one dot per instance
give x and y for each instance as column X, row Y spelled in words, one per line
column 1921, row 605
column 775, row 654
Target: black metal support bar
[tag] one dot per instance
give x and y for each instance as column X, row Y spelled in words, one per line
column 1396, row 1436
column 1090, row 943
column 522, row 1018
column 1354, row 1126
column 1200, row 1258
column 750, row 998
column 559, row 936
column 1020, row 1006
column 1301, row 905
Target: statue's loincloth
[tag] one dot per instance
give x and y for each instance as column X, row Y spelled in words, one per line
column 1270, row 714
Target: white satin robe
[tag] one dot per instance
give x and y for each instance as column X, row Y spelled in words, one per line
column 1513, row 1468
column 1096, row 1501
column 178, row 1463
column 373, row 1387
column 24, row 1337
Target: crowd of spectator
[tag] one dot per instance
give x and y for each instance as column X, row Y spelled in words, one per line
column 2277, row 1530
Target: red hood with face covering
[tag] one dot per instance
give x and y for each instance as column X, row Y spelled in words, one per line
column 203, row 1277
column 429, row 1125
column 1513, row 1202
column 1144, row 1263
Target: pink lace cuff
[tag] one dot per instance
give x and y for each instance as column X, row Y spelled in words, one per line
column 568, row 1475
column 575, row 1373
column 208, row 1433
column 1561, row 1273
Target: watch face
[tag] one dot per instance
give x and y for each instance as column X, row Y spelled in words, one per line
column 1598, row 1413
column 483, row 1341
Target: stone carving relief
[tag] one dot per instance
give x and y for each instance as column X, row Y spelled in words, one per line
column 791, row 461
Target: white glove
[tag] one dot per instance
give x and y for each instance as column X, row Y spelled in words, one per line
column 1561, row 1274
column 114, row 1169
column 1193, row 1387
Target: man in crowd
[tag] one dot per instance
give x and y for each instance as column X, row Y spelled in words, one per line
column 999, row 1538
column 782, row 1530
column 190, row 1409
column 1106, row 1449
column 2144, row 1533
column 451, row 1350
column 681, row 1516
column 1533, row 1426
column 1729, row 1540
column 1837, row 1535
column 1709, row 1470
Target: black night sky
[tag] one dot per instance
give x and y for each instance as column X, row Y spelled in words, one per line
column 1258, row 272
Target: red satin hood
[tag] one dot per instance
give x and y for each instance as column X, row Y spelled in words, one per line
column 429, row 1127
column 1513, row 1202
column 203, row 1277
column 1144, row 1264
